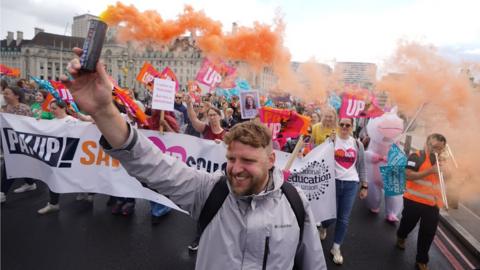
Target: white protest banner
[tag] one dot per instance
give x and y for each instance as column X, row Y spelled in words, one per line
column 163, row 94
column 68, row 158
column 315, row 175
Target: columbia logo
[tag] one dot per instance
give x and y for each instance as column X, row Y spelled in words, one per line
column 281, row 226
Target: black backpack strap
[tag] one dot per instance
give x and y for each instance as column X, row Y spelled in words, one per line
column 298, row 209
column 296, row 203
column 213, row 203
column 422, row 156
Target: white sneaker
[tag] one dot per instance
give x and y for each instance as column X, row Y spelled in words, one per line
column 322, row 232
column 49, row 208
column 25, row 187
column 3, row 198
column 337, row 255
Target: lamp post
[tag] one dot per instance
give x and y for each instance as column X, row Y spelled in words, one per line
column 130, row 70
column 124, row 69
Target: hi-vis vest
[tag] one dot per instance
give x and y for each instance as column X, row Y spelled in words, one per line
column 426, row 190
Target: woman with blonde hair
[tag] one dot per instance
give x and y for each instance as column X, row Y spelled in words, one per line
column 321, row 131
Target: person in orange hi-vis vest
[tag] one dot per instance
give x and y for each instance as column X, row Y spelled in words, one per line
column 423, row 197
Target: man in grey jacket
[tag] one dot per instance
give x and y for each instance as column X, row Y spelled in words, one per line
column 255, row 228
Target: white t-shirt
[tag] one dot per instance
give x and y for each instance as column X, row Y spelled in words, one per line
column 345, row 159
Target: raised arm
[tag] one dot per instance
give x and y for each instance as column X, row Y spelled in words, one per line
column 93, row 94
column 198, row 125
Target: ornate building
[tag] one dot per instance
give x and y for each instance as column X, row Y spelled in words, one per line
column 46, row 56
column 124, row 61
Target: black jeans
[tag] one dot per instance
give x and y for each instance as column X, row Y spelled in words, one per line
column 428, row 216
column 54, row 197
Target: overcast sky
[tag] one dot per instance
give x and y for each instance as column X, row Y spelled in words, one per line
column 342, row 30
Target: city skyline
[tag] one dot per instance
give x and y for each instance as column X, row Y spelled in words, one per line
column 342, row 31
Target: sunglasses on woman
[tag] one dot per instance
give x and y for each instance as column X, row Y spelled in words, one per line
column 343, row 125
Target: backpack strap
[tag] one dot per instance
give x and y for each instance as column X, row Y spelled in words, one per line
column 422, row 156
column 296, row 203
column 213, row 203
column 299, row 210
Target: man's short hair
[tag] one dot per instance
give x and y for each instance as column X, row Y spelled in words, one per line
column 438, row 137
column 250, row 133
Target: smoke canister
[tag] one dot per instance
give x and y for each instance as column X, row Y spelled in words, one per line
column 92, row 47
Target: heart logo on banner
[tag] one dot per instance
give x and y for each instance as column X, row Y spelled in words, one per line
column 175, row 151
column 345, row 158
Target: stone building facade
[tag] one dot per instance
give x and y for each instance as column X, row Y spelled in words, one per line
column 47, row 54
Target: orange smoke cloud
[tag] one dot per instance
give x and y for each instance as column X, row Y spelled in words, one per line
column 424, row 76
column 258, row 46
column 316, row 80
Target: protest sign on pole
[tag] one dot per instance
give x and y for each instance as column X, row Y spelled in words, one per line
column 359, row 105
column 249, row 104
column 284, row 123
column 211, row 74
column 147, row 74
column 163, row 97
column 168, row 74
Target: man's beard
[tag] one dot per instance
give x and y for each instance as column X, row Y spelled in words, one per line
column 254, row 184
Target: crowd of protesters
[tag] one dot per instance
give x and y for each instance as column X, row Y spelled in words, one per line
column 210, row 117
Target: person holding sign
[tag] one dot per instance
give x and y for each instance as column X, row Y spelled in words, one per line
column 255, row 228
column 423, row 197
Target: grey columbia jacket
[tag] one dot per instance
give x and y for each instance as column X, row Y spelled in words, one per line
column 246, row 231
